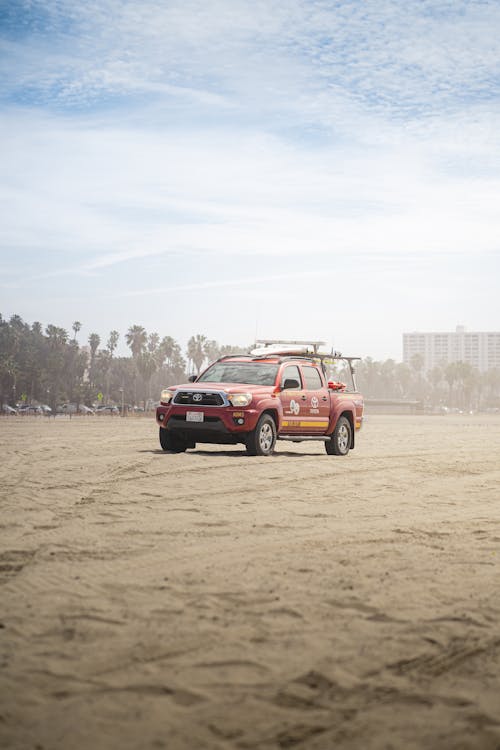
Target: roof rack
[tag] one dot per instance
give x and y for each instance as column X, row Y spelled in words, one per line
column 323, row 356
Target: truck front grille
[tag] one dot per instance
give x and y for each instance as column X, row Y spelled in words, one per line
column 191, row 398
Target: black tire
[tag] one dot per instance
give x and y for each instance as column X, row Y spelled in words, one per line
column 261, row 441
column 341, row 438
column 171, row 442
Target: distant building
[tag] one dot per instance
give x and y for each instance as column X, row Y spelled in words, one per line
column 481, row 350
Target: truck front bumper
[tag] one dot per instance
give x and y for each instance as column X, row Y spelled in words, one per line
column 219, row 425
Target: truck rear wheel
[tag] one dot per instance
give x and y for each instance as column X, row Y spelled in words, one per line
column 340, row 441
column 261, row 441
column 171, row 442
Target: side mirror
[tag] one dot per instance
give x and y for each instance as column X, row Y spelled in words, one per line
column 291, row 383
column 192, row 378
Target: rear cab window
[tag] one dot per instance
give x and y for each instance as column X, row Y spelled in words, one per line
column 312, row 378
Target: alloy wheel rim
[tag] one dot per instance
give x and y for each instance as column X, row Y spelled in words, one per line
column 266, row 437
column 343, row 438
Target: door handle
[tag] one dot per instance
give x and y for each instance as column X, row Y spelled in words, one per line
column 325, row 398
column 304, row 398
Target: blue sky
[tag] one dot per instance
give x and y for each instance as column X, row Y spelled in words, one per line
column 302, row 169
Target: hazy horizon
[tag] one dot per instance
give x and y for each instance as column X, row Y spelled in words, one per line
column 324, row 170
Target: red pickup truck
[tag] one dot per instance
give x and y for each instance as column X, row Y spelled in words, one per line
column 257, row 399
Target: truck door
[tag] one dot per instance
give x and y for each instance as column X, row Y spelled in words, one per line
column 292, row 398
column 316, row 410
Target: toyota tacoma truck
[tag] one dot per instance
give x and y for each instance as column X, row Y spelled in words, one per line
column 273, row 393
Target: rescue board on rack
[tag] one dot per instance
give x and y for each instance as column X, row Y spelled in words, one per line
column 263, row 351
column 293, row 348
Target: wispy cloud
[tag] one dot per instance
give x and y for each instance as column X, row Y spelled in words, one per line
column 97, row 200
column 141, row 133
column 250, row 281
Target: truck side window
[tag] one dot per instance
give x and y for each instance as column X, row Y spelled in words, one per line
column 312, row 378
column 291, row 372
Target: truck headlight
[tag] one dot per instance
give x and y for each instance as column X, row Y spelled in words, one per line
column 240, row 399
column 166, row 396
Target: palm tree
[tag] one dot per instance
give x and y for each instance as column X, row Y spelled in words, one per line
column 57, row 339
column 387, row 378
column 153, row 342
column 403, row 379
column 112, row 342
column 136, row 338
column 492, row 381
column 111, row 346
column 147, row 364
column 435, row 377
column 57, row 336
column 168, row 346
column 94, row 341
column 368, row 374
column 76, row 327
column 417, row 362
column 9, row 368
column 171, row 362
column 451, row 377
column 196, row 350
column 467, row 378
column 211, row 350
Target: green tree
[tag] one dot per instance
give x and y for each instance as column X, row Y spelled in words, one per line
column 467, row 378
column 136, row 338
column 173, row 365
column 76, row 328
column 368, row 377
column 94, row 341
column 403, row 378
column 123, row 380
column 196, row 350
column 451, row 377
column 153, row 343
column 111, row 345
column 57, row 339
column 417, row 365
column 211, row 350
column 147, row 364
column 113, row 339
column 9, row 365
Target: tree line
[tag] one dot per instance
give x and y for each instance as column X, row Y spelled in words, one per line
column 456, row 385
column 49, row 365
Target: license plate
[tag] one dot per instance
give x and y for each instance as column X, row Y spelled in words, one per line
column 194, row 416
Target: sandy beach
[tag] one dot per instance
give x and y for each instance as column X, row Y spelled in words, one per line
column 214, row 600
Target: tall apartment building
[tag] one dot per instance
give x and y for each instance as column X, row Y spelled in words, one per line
column 481, row 350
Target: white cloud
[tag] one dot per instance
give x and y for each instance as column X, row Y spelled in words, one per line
column 250, row 132
column 98, row 199
column 316, row 60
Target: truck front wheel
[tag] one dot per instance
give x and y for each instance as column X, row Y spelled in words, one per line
column 171, row 442
column 261, row 441
column 340, row 441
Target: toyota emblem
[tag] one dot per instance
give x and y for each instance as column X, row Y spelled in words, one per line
column 197, row 396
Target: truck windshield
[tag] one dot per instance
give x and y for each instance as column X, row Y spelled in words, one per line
column 240, row 372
